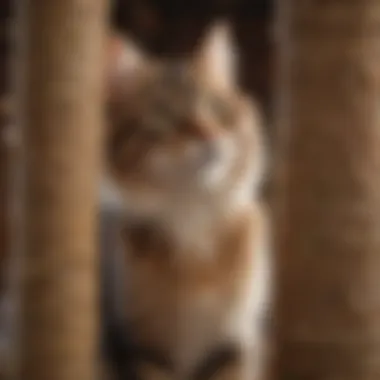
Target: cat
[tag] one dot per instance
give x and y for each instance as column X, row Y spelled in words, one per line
column 185, row 149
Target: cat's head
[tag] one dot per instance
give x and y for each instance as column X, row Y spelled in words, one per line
column 180, row 125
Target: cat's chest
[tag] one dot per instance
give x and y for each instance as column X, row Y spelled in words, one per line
column 190, row 303
column 189, row 328
column 191, row 316
column 203, row 323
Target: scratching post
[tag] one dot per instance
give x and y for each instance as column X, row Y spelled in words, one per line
column 328, row 320
column 59, row 100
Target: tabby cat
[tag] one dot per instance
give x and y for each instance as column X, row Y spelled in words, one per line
column 185, row 150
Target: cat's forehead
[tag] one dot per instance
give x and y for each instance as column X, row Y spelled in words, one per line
column 175, row 73
column 175, row 79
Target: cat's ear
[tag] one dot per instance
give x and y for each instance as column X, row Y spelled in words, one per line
column 124, row 66
column 215, row 59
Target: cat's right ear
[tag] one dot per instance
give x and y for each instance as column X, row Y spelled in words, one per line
column 124, row 66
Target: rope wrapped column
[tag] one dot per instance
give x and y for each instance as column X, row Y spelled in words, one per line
column 328, row 300
column 59, row 103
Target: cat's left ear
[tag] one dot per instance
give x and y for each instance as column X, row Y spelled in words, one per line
column 215, row 59
column 125, row 64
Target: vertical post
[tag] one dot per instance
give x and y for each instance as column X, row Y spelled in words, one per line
column 61, row 46
column 328, row 300
column 4, row 148
column 4, row 195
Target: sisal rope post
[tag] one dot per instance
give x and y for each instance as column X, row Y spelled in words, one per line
column 4, row 194
column 328, row 300
column 59, row 101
